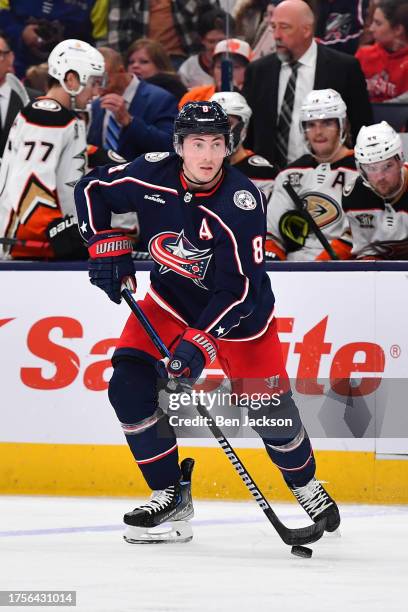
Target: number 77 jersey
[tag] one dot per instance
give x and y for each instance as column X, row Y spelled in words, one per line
column 208, row 246
column 44, row 157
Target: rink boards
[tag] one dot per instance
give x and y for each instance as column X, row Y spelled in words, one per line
column 59, row 435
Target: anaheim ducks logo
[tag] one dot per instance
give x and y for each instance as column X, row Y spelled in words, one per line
column 323, row 208
column 175, row 253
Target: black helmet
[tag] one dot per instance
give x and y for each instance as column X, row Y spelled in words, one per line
column 201, row 118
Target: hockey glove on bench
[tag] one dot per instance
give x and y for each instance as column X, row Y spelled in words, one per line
column 194, row 351
column 111, row 263
column 65, row 238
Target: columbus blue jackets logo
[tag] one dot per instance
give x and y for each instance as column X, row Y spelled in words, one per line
column 175, row 253
column 244, row 199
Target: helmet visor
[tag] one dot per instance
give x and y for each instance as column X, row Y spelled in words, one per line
column 378, row 168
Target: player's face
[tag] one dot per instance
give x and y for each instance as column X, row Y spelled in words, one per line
column 89, row 92
column 323, row 136
column 203, row 155
column 384, row 177
column 141, row 65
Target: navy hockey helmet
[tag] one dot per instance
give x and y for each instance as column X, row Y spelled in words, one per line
column 201, row 118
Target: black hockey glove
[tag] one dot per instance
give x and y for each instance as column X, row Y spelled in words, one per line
column 194, row 351
column 111, row 263
column 65, row 239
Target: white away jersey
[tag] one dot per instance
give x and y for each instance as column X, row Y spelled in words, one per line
column 320, row 188
column 44, row 157
column 379, row 227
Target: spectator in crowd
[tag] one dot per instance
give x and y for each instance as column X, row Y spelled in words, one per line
column 45, row 156
column 377, row 203
column 148, row 60
column 37, row 77
column 385, row 64
column 340, row 23
column 255, row 167
column 265, row 41
column 10, row 101
column 366, row 37
column 233, row 49
column 318, row 179
column 197, row 69
column 34, row 28
column 250, row 18
column 277, row 84
column 171, row 22
column 131, row 116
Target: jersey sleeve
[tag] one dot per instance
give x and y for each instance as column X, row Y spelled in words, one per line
column 239, row 268
column 106, row 190
column 279, row 203
column 71, row 165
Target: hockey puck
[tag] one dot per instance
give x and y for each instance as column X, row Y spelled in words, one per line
column 302, row 551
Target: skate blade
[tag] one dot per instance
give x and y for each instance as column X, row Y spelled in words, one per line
column 166, row 533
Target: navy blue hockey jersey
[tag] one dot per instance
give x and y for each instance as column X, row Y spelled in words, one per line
column 208, row 247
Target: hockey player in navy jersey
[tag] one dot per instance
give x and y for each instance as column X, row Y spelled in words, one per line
column 210, row 296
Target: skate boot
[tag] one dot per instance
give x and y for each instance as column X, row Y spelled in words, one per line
column 165, row 517
column 315, row 500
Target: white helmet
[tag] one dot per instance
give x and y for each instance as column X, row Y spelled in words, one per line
column 377, row 143
column 78, row 56
column 235, row 104
column 324, row 104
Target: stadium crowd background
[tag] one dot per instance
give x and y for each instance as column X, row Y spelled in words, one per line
column 172, row 51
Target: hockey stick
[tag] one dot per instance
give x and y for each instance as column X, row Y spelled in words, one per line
column 30, row 244
column 316, row 229
column 291, row 537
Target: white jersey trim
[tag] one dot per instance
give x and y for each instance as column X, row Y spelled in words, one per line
column 125, row 179
column 258, row 335
column 163, row 304
column 239, row 266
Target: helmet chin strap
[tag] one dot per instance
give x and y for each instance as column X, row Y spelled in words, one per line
column 190, row 180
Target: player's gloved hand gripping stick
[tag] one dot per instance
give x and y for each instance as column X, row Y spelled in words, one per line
column 194, row 351
column 298, row 536
column 111, row 261
column 312, row 223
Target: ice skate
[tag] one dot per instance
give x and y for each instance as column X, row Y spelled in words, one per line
column 315, row 500
column 165, row 518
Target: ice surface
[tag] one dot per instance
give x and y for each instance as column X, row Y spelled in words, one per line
column 235, row 561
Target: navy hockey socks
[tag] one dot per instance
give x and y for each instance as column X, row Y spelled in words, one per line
column 294, row 458
column 133, row 394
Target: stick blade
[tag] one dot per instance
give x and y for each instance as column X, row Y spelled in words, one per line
column 300, row 535
column 304, row 535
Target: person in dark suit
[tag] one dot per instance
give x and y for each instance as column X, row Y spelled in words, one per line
column 131, row 116
column 10, row 102
column 276, row 85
